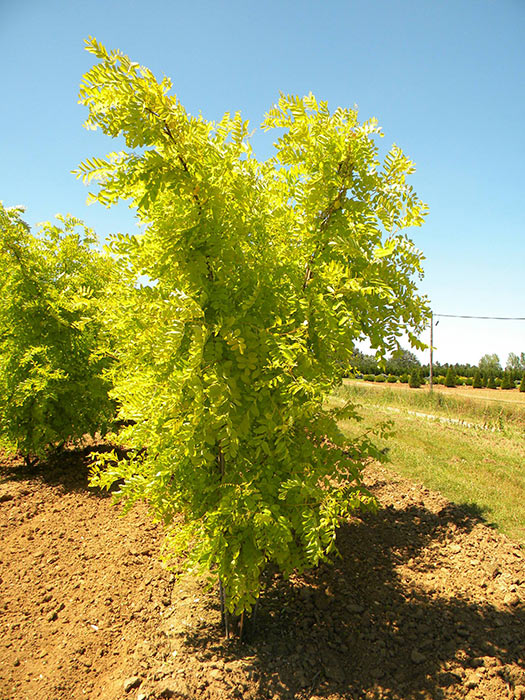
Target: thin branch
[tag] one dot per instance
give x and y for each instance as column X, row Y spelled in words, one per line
column 182, row 161
column 327, row 215
column 220, row 462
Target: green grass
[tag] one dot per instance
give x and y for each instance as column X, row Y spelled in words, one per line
column 468, row 465
column 487, row 414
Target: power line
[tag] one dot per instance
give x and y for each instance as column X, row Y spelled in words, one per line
column 486, row 318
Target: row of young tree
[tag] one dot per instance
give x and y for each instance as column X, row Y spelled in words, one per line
column 488, row 371
column 417, row 377
column 262, row 278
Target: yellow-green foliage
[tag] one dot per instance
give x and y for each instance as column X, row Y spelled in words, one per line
column 264, row 274
column 52, row 339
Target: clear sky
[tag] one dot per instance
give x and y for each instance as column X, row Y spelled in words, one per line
column 445, row 78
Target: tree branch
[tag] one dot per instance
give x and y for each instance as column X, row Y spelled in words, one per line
column 182, row 161
column 325, row 220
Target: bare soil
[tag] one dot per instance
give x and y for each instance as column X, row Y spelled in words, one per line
column 426, row 601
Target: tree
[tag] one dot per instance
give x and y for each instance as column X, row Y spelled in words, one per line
column 415, row 380
column 491, row 382
column 522, row 384
column 506, row 382
column 477, row 384
column 52, row 338
column 264, row 275
column 450, row 379
column 489, row 365
column 515, row 365
column 402, row 362
column 364, row 364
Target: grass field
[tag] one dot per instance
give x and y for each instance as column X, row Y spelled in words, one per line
column 487, row 408
column 483, row 395
column 469, row 449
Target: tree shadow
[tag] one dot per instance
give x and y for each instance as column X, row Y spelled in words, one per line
column 478, row 512
column 68, row 468
column 360, row 629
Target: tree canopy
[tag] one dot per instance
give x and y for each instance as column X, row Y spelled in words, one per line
column 263, row 276
column 52, row 341
column 489, row 364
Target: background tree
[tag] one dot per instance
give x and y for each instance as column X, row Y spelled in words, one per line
column 477, row 384
column 515, row 366
column 364, row 364
column 52, row 340
column 415, row 380
column 513, row 362
column 489, row 365
column 402, row 362
column 506, row 382
column 264, row 275
column 450, row 379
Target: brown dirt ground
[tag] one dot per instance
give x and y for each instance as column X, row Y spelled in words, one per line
column 426, row 601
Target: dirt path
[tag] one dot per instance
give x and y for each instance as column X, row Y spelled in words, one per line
column 426, row 602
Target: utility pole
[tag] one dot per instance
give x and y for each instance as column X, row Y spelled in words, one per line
column 431, row 348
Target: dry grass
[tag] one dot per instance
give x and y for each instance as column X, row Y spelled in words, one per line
column 465, row 404
column 498, row 395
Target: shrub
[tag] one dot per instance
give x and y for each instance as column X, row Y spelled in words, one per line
column 491, row 383
column 477, row 382
column 52, row 339
column 380, row 378
column 450, row 379
column 522, row 383
column 369, row 377
column 404, row 378
column 392, row 379
column 506, row 382
column 415, row 381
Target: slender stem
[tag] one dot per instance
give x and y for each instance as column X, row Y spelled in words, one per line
column 220, row 461
column 431, row 349
column 254, row 616
column 241, row 627
column 180, row 157
column 226, row 620
column 325, row 220
column 221, row 596
column 30, row 463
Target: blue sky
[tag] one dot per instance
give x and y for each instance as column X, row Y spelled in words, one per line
column 445, row 78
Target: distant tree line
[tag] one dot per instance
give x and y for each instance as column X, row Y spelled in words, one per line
column 406, row 367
